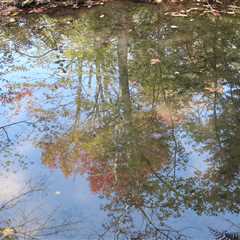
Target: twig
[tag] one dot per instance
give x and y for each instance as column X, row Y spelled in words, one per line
column 31, row 56
column 12, row 124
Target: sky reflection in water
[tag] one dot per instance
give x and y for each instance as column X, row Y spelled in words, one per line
column 130, row 124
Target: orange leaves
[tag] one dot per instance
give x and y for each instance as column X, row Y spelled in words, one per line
column 214, row 89
column 100, row 181
column 165, row 115
column 12, row 97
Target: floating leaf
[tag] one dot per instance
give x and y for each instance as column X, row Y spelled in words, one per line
column 7, row 232
column 155, row 61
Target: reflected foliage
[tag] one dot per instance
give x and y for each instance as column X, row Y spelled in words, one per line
column 145, row 105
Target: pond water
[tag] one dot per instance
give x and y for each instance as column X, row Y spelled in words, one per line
column 119, row 122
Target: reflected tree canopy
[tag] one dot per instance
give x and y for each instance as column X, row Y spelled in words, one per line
column 131, row 98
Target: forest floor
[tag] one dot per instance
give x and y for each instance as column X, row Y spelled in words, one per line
column 182, row 8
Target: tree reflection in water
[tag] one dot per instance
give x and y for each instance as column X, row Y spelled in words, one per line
column 24, row 216
column 129, row 100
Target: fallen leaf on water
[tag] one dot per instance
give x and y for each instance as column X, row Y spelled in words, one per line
column 12, row 20
column 174, row 27
column 216, row 13
column 155, row 61
column 214, row 90
column 14, row 14
column 38, row 10
column 7, row 232
column 26, row 3
column 178, row 15
column 158, row 1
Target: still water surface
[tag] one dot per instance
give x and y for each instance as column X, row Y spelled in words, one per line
column 120, row 123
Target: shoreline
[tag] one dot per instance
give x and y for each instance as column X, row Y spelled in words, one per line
column 176, row 8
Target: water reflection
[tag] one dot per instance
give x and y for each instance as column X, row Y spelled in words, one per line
column 145, row 106
column 24, row 215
